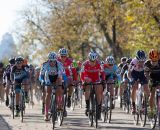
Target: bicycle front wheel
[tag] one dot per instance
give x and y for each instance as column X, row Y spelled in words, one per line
column 22, row 107
column 53, row 110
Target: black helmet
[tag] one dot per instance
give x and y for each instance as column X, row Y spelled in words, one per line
column 19, row 59
column 129, row 60
column 12, row 61
column 1, row 65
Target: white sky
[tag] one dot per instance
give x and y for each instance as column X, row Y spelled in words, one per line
column 8, row 13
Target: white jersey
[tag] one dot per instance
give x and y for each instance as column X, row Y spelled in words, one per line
column 135, row 65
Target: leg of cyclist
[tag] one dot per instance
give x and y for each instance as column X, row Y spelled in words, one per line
column 47, row 101
column 17, row 93
column 59, row 94
column 99, row 94
column 151, row 101
column 43, row 99
column 87, row 95
column 70, row 90
column 26, row 89
column 133, row 96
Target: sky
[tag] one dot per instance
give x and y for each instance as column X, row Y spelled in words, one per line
column 8, row 14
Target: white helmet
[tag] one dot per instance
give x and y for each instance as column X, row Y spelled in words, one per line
column 110, row 60
column 92, row 56
column 63, row 52
column 52, row 56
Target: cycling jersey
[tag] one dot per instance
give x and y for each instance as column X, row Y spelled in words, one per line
column 154, row 71
column 137, row 72
column 70, row 70
column 94, row 72
column 111, row 71
column 18, row 75
column 135, row 65
column 50, row 74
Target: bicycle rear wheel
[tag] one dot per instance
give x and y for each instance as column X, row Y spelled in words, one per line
column 136, row 116
column 12, row 105
column 110, row 109
column 143, row 113
column 73, row 100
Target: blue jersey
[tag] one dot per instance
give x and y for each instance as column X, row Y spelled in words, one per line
column 18, row 75
column 49, row 74
column 111, row 72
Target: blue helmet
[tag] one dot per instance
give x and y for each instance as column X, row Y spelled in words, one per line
column 52, row 56
column 92, row 56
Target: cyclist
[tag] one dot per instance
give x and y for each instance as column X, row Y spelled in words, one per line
column 136, row 76
column 123, row 62
column 152, row 72
column 69, row 70
column 31, row 71
column 124, row 76
column 18, row 76
column 37, row 83
column 6, row 78
column 92, row 71
column 111, row 72
column 51, row 72
column 1, row 81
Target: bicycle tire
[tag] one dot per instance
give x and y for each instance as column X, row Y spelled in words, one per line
column 96, row 112
column 61, row 114
column 110, row 110
column 73, row 100
column 12, row 106
column 90, row 114
column 53, row 110
column 143, row 113
column 22, row 107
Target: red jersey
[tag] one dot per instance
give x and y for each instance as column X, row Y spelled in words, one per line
column 70, row 71
column 94, row 72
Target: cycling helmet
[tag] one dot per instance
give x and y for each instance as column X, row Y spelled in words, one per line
column 31, row 66
column 1, row 65
column 110, row 60
column 140, row 55
column 123, row 59
column 92, row 56
column 102, row 62
column 52, row 56
column 12, row 61
column 63, row 52
column 129, row 60
column 19, row 60
column 153, row 55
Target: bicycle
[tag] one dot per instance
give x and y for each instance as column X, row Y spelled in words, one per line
column 141, row 107
column 107, row 104
column 12, row 96
column 93, row 107
column 21, row 102
column 55, row 113
column 156, row 117
column 125, row 99
column 76, row 97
